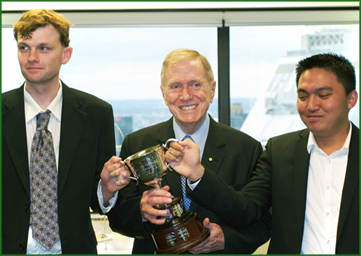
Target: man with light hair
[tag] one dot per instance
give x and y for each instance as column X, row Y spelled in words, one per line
column 188, row 88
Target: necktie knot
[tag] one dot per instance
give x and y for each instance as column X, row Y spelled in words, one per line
column 188, row 137
column 42, row 120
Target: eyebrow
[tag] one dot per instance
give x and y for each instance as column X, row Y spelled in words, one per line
column 321, row 89
column 40, row 45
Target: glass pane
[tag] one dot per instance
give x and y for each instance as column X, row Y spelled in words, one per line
column 121, row 66
column 263, row 61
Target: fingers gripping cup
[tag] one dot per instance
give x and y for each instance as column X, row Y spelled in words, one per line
column 182, row 229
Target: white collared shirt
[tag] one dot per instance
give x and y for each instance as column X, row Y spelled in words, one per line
column 199, row 137
column 31, row 110
column 326, row 178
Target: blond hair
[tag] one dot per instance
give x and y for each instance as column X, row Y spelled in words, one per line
column 180, row 55
column 33, row 19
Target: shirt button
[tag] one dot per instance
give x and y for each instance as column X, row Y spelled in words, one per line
column 327, row 187
column 328, row 241
column 327, row 214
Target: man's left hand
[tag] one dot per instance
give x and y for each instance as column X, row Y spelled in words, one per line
column 214, row 242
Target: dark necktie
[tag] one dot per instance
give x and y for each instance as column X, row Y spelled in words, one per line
column 43, row 185
column 186, row 199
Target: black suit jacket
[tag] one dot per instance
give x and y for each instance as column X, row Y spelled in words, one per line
column 230, row 155
column 280, row 181
column 87, row 141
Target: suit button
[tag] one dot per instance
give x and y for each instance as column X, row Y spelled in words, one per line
column 21, row 247
column 26, row 207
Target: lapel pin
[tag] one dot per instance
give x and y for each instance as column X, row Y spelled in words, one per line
column 210, row 159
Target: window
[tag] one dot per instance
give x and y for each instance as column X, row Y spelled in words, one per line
column 121, row 66
column 263, row 61
column 118, row 57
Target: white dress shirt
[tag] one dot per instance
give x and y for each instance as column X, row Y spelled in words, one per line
column 31, row 110
column 326, row 178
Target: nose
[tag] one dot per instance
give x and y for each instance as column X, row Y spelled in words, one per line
column 33, row 56
column 313, row 103
column 185, row 94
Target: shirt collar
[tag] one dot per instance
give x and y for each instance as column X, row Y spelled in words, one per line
column 313, row 144
column 32, row 108
column 199, row 137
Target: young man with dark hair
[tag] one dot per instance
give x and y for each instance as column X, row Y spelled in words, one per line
column 310, row 178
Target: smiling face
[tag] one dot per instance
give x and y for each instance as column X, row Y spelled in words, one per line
column 187, row 92
column 41, row 56
column 323, row 104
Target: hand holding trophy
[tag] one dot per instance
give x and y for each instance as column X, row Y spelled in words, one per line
column 182, row 229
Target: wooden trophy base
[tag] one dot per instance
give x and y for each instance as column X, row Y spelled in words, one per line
column 183, row 234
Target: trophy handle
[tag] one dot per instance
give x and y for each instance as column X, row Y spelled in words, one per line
column 167, row 143
column 165, row 147
column 129, row 177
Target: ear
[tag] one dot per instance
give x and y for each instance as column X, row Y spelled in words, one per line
column 352, row 99
column 213, row 91
column 164, row 95
column 68, row 51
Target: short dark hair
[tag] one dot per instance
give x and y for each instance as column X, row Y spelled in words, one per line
column 332, row 62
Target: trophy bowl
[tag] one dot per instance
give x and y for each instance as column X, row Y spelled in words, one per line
column 182, row 229
column 148, row 166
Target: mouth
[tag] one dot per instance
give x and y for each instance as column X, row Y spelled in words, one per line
column 314, row 117
column 33, row 68
column 190, row 107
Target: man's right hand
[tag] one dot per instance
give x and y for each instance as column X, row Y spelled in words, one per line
column 113, row 178
column 151, row 198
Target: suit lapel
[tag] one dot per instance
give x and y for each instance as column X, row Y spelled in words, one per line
column 301, row 165
column 72, row 125
column 212, row 155
column 351, row 183
column 13, row 125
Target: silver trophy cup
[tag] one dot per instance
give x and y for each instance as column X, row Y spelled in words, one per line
column 148, row 166
column 182, row 229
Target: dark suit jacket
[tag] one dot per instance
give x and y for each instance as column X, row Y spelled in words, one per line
column 230, row 154
column 280, row 181
column 87, row 141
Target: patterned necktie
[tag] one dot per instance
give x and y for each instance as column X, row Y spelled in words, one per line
column 43, row 185
column 186, row 199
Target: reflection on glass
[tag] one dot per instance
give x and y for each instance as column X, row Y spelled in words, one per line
column 263, row 61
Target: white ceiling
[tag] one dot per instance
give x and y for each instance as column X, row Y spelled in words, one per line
column 27, row 5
